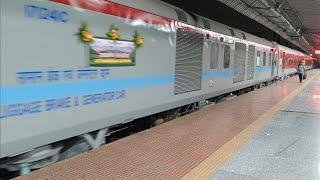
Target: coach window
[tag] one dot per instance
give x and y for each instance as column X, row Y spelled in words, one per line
column 226, row 57
column 264, row 58
column 214, row 55
column 258, row 58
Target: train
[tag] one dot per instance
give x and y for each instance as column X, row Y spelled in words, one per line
column 73, row 69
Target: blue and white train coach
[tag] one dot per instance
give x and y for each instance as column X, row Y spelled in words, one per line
column 74, row 68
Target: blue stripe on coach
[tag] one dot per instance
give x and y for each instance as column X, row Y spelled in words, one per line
column 217, row 74
column 262, row 69
column 37, row 92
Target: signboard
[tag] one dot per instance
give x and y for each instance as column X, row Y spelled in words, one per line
column 105, row 52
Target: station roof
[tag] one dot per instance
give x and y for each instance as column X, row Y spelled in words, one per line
column 293, row 23
column 309, row 13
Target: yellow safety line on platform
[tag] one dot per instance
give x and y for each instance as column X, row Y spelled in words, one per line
column 210, row 165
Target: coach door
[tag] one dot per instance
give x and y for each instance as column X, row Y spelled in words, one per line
column 273, row 62
column 278, row 62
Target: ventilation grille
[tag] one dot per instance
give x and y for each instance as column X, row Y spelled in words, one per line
column 206, row 24
column 188, row 69
column 181, row 15
column 239, row 62
column 250, row 62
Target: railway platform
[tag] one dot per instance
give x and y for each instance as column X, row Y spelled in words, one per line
column 269, row 133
